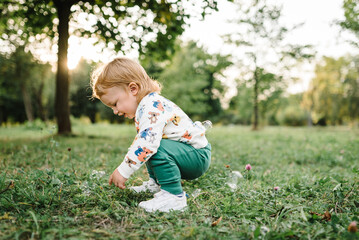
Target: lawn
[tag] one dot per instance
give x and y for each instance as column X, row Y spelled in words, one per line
column 57, row 187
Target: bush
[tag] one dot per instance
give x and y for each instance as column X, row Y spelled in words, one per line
column 37, row 124
column 292, row 116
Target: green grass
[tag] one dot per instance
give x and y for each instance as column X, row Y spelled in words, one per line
column 49, row 192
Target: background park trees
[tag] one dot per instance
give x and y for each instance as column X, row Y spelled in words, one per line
column 260, row 36
column 333, row 96
column 192, row 81
column 195, row 79
column 140, row 25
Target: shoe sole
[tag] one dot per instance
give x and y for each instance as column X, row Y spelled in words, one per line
column 152, row 211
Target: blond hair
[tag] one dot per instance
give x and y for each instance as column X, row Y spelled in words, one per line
column 120, row 72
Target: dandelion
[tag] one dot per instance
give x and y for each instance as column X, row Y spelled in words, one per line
column 248, row 167
column 276, row 188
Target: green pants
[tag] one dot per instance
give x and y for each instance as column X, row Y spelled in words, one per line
column 175, row 161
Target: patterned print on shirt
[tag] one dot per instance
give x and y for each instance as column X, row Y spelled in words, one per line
column 175, row 119
column 187, row 136
column 157, row 104
column 167, row 107
column 140, row 111
column 129, row 162
column 153, row 117
column 145, row 133
column 142, row 153
column 152, row 137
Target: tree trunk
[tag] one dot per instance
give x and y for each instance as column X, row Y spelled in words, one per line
column 62, row 109
column 2, row 118
column 39, row 102
column 255, row 101
column 27, row 103
column 22, row 74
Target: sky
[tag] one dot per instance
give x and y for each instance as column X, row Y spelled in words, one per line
column 319, row 30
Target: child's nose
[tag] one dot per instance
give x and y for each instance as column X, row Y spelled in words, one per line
column 115, row 111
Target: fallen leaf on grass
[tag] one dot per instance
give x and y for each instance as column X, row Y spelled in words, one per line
column 326, row 216
column 215, row 223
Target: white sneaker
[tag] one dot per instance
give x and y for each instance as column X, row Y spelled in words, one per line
column 149, row 185
column 165, row 202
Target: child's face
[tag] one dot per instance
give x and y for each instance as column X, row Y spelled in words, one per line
column 122, row 101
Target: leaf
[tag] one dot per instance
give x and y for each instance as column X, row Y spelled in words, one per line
column 215, row 223
column 327, row 216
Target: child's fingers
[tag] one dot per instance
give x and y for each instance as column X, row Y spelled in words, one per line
column 110, row 180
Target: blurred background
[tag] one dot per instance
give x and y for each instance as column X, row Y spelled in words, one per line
column 249, row 62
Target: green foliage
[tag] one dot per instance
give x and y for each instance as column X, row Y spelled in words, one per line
column 351, row 90
column 351, row 15
column 145, row 26
column 25, row 87
column 53, row 187
column 333, row 96
column 290, row 112
column 81, row 92
column 191, row 81
column 150, row 26
column 240, row 107
column 292, row 116
column 262, row 36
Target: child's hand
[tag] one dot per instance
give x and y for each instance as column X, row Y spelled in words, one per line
column 117, row 179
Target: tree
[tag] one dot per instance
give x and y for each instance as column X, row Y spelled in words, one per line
column 240, row 108
column 290, row 112
column 260, row 37
column 22, row 68
column 351, row 89
column 191, row 80
column 351, row 21
column 80, row 92
column 22, row 78
column 325, row 97
column 123, row 25
column 9, row 93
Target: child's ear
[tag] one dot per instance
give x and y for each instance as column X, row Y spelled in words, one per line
column 133, row 87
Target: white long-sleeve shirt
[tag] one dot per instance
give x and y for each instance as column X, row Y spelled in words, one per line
column 158, row 118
